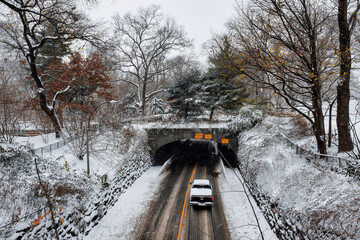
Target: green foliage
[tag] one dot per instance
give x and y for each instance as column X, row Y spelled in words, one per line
column 224, row 61
column 53, row 51
column 219, row 89
column 222, row 93
column 222, row 87
column 183, row 94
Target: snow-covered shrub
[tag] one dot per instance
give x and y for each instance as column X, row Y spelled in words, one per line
column 353, row 170
column 10, row 152
column 80, row 201
column 124, row 143
column 22, row 196
column 248, row 117
column 156, row 106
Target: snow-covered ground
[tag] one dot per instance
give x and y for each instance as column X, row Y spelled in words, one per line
column 65, row 175
column 38, row 141
column 121, row 220
column 239, row 214
column 107, row 155
column 320, row 202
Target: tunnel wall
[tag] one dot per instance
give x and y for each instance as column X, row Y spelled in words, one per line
column 160, row 137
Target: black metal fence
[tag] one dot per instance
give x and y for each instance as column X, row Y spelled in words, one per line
column 51, row 147
column 327, row 161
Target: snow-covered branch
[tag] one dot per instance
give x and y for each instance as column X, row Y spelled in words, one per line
column 57, row 94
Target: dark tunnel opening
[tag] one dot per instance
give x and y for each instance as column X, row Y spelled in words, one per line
column 165, row 152
column 193, row 150
column 230, row 156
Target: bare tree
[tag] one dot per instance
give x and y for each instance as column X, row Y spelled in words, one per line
column 347, row 18
column 12, row 101
column 145, row 42
column 23, row 25
column 287, row 45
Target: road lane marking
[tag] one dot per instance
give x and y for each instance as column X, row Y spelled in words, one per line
column 185, row 200
column 162, row 225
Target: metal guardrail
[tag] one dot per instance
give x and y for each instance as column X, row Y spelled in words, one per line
column 322, row 159
column 54, row 146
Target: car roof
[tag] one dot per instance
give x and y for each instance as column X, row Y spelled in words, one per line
column 201, row 182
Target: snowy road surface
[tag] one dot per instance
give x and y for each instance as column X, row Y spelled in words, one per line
column 171, row 216
column 123, row 219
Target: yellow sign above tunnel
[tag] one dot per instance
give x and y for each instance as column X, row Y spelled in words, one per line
column 208, row 136
column 199, row 135
column 225, row 141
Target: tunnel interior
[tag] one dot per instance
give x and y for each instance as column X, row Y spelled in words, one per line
column 192, row 150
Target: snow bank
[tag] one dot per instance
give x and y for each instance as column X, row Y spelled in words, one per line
column 122, row 218
column 321, row 203
column 24, row 199
column 239, row 214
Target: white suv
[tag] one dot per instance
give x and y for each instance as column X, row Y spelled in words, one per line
column 201, row 193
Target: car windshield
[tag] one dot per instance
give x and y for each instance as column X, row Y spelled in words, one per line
column 201, row 186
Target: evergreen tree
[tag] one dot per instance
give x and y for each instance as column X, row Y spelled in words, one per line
column 223, row 59
column 53, row 51
column 183, row 94
column 222, row 89
column 221, row 93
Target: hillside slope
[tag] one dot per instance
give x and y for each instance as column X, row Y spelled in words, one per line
column 321, row 203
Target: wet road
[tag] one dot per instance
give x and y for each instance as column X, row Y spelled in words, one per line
column 170, row 215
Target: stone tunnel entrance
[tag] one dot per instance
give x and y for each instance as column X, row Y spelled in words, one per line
column 191, row 143
column 193, row 150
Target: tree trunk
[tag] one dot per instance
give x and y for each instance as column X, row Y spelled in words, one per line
column 343, row 89
column 143, row 96
column 211, row 115
column 320, row 134
column 319, row 125
column 330, row 126
column 50, row 111
column 186, row 111
column 56, row 123
column 330, row 123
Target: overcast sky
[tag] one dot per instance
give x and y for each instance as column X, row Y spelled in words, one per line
column 199, row 17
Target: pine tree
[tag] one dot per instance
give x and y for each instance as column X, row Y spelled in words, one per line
column 220, row 93
column 52, row 52
column 183, row 94
column 222, row 90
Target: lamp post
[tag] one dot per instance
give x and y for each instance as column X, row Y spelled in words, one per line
column 87, row 134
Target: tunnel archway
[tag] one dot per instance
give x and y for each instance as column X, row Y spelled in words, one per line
column 194, row 150
column 230, row 156
column 165, row 152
